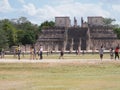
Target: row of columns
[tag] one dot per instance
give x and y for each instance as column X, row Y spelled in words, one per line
column 56, row 46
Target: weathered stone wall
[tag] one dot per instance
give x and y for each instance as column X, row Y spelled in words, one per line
column 51, row 38
column 77, row 37
column 102, row 35
column 62, row 22
column 74, row 38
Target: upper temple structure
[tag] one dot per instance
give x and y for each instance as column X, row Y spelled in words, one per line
column 87, row 36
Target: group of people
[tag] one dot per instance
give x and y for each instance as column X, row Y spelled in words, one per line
column 33, row 52
column 113, row 53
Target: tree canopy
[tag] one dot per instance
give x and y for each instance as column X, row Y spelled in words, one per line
column 20, row 31
column 117, row 31
column 108, row 21
column 17, row 31
column 46, row 24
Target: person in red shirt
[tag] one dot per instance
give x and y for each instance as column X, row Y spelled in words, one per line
column 116, row 52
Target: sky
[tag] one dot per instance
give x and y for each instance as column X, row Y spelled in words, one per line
column 38, row 11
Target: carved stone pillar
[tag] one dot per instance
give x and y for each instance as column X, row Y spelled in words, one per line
column 56, row 47
column 79, row 46
column 71, row 46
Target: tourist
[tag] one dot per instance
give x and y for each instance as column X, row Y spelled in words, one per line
column 111, row 53
column 34, row 53
column 41, row 52
column 101, row 50
column 31, row 52
column 117, row 52
column 15, row 51
column 18, row 52
column 2, row 53
column 61, row 54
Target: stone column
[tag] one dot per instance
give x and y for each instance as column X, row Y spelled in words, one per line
column 65, row 38
column 56, row 47
column 88, row 40
column 79, row 46
column 71, row 46
column 64, row 45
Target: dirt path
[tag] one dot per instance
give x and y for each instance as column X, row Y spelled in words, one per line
column 57, row 61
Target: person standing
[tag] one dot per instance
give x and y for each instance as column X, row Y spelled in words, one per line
column 31, row 52
column 61, row 54
column 41, row 52
column 101, row 52
column 19, row 52
column 34, row 53
column 111, row 53
column 2, row 53
column 117, row 52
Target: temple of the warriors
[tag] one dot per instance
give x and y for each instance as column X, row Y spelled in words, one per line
column 87, row 36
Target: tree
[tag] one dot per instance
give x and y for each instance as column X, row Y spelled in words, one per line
column 10, row 32
column 27, row 37
column 108, row 21
column 24, row 30
column 117, row 31
column 3, row 39
column 46, row 24
column 22, row 20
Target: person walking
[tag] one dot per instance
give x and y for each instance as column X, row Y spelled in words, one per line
column 101, row 52
column 61, row 54
column 117, row 52
column 111, row 53
column 31, row 52
column 34, row 53
column 19, row 52
column 41, row 52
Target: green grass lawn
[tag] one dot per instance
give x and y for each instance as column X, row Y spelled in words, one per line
column 66, row 56
column 58, row 76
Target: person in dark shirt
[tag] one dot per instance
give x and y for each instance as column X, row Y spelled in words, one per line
column 117, row 52
column 61, row 54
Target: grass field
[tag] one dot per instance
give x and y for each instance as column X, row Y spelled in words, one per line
column 60, row 76
column 66, row 56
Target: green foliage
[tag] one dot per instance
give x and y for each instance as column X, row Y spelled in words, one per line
column 108, row 21
column 10, row 32
column 19, row 31
column 46, row 24
column 28, row 32
column 117, row 31
column 3, row 39
column 28, row 38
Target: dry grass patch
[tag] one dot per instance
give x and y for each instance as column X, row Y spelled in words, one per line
column 60, row 76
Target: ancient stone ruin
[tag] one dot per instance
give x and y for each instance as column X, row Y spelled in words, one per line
column 90, row 35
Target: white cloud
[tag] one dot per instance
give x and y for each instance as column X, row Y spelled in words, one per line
column 111, row 1
column 63, row 1
column 67, row 9
column 71, row 8
column 30, row 9
column 116, row 8
column 5, row 6
column 22, row 1
column 64, row 8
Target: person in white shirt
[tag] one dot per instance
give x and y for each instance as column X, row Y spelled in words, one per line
column 19, row 52
column 41, row 52
column 101, row 50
